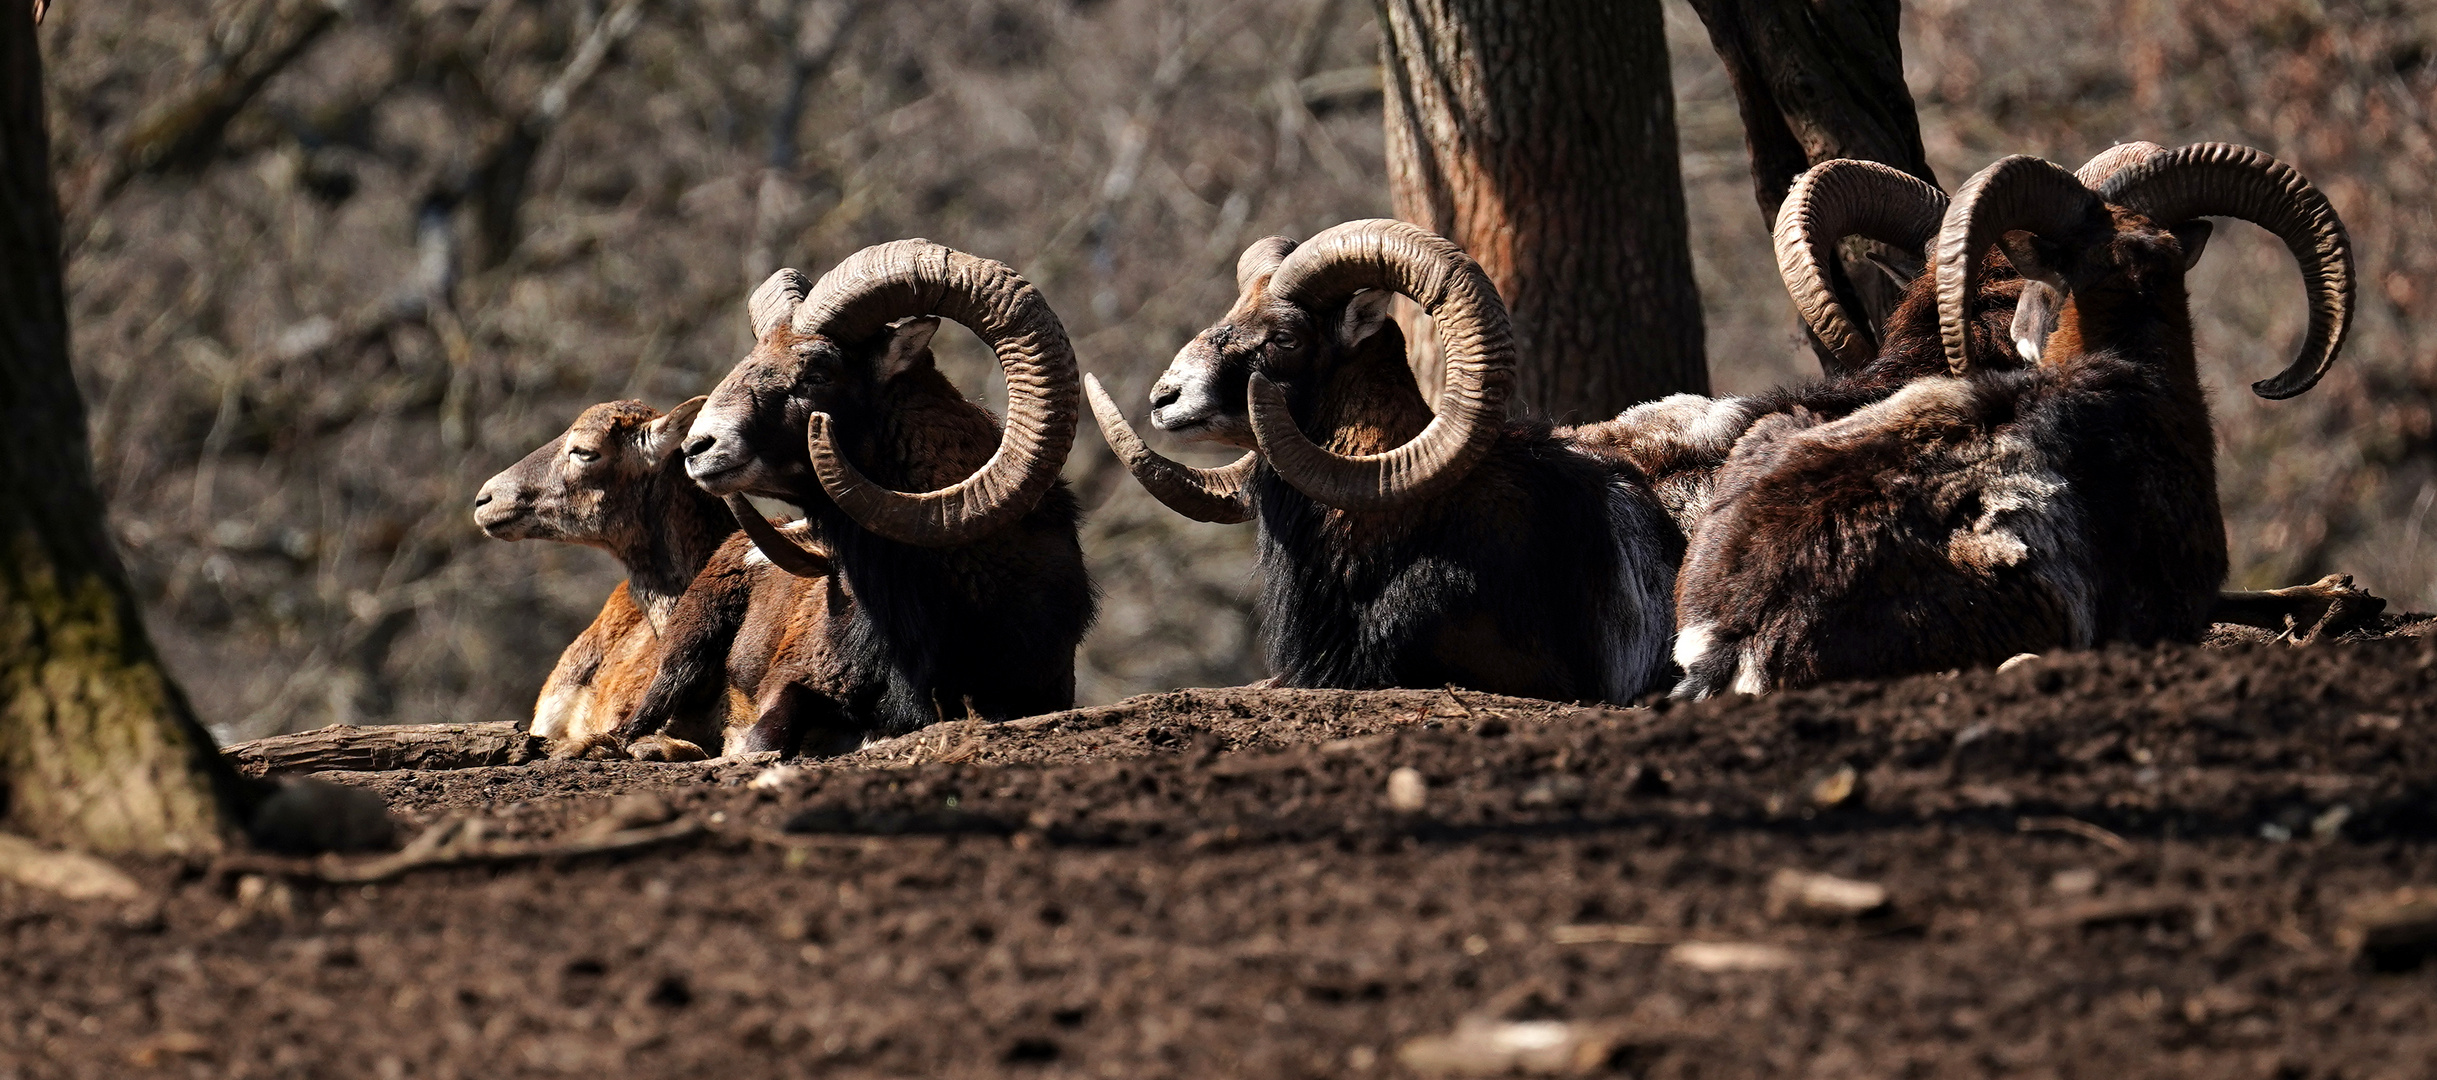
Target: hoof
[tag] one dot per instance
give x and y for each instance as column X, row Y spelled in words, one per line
column 664, row 748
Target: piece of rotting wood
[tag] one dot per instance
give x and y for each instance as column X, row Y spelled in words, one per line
column 342, row 748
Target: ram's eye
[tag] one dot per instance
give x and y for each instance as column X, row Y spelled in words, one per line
column 582, row 455
column 1284, row 339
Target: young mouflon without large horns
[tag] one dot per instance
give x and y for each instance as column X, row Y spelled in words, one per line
column 614, row 480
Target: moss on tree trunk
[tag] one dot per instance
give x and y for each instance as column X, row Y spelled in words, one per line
column 98, row 749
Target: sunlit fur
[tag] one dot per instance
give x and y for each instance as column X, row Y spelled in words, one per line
column 764, row 646
column 614, row 480
column 1680, row 441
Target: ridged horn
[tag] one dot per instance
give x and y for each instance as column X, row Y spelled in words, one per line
column 2018, row 192
column 1833, row 200
column 2226, row 180
column 879, row 284
column 1474, row 336
column 775, row 301
column 1261, row 258
column 1222, row 495
column 2113, row 160
column 783, row 553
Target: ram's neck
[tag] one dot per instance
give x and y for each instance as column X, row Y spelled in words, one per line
column 668, row 554
column 1370, row 404
column 2154, row 329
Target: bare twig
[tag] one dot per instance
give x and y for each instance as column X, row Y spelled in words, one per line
column 184, row 130
column 2080, row 828
column 460, row 842
column 1612, row 934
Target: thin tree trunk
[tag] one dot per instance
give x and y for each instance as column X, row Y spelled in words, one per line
column 1817, row 80
column 98, row 748
column 1541, row 137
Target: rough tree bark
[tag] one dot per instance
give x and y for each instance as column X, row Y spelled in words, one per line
column 1817, row 80
column 1541, row 137
column 98, row 748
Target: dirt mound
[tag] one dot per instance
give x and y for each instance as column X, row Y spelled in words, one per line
column 2088, row 861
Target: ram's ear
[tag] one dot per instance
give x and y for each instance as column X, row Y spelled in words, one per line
column 2035, row 257
column 664, row 435
column 1365, row 314
column 1900, row 267
column 2035, row 318
column 2194, row 236
column 909, row 345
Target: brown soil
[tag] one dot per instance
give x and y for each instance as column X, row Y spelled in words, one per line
column 2110, row 864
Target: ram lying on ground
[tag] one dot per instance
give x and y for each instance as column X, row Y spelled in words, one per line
column 1682, row 441
column 1415, row 549
column 966, row 599
column 1969, row 517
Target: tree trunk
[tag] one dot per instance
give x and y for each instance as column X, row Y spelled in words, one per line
column 1541, row 138
column 1817, row 80
column 98, row 748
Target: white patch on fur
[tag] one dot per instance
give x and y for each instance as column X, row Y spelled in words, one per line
column 1641, row 616
column 1724, row 423
column 2021, row 512
column 1691, row 644
column 1690, row 422
column 557, row 704
column 1679, row 441
column 776, row 509
column 1750, row 678
column 754, row 556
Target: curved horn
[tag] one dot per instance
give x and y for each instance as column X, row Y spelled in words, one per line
column 1261, row 258
column 1831, row 201
column 2225, row 180
column 2018, row 192
column 772, row 303
column 1473, row 334
column 917, row 277
column 1222, row 495
column 2113, row 160
column 783, row 553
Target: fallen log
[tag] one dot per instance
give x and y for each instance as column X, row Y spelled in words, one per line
column 344, row 748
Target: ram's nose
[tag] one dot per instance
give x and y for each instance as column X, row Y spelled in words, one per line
column 698, row 445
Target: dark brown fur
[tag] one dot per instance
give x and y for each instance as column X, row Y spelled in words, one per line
column 1544, row 572
column 1960, row 521
column 987, row 628
column 765, row 642
column 1680, row 442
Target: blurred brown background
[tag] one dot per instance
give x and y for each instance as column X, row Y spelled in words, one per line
column 444, row 226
